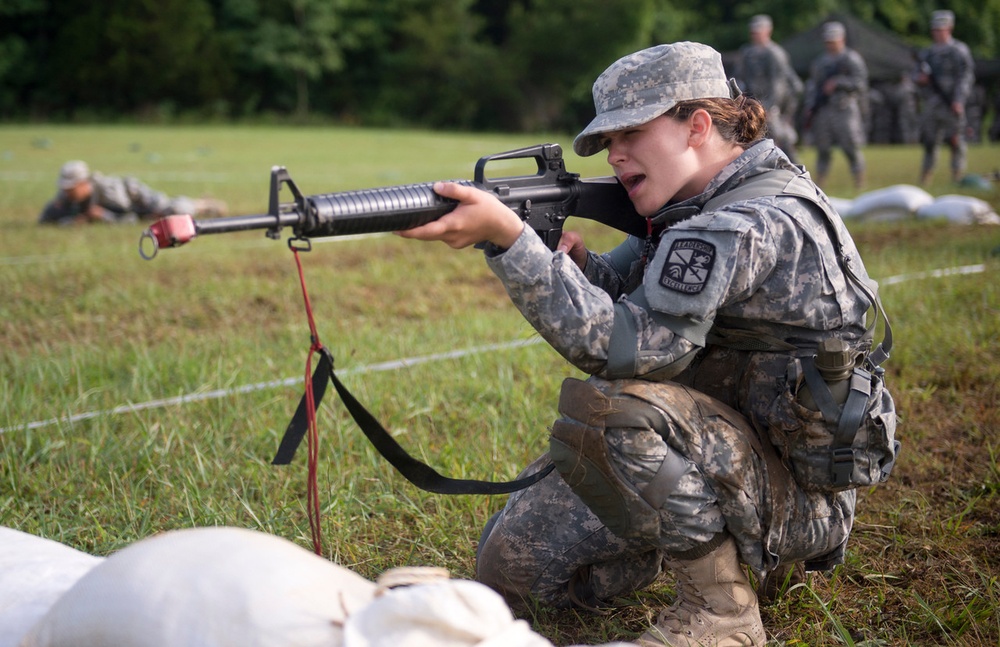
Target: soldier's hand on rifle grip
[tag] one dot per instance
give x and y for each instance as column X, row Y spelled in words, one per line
column 479, row 217
column 571, row 244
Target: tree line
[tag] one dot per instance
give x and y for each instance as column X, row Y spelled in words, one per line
column 511, row 65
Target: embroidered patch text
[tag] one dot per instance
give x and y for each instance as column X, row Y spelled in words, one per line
column 688, row 265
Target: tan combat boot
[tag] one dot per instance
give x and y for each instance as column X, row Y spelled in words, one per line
column 715, row 607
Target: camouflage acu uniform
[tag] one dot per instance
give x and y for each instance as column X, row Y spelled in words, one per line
column 121, row 199
column 765, row 73
column 664, row 342
column 837, row 119
column 950, row 68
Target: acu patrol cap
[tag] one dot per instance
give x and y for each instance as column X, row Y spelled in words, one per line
column 761, row 22
column 639, row 87
column 833, row 31
column 942, row 19
column 72, row 173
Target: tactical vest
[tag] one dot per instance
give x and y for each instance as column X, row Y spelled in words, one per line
column 849, row 442
column 852, row 443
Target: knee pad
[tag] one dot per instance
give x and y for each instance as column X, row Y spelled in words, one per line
column 580, row 453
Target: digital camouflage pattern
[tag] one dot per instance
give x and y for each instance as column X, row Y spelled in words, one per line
column 765, row 72
column 644, row 85
column 774, row 273
column 837, row 118
column 951, row 76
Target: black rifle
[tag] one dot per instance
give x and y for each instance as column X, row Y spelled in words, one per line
column 821, row 98
column 543, row 201
column 932, row 79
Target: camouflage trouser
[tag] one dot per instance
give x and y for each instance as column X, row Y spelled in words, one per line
column 839, row 125
column 182, row 204
column 939, row 123
column 546, row 541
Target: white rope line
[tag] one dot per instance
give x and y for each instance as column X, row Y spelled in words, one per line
column 260, row 386
column 395, row 364
column 934, row 274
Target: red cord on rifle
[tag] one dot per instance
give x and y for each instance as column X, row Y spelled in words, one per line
column 312, row 489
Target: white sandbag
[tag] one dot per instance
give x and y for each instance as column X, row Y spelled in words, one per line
column 897, row 202
column 206, row 587
column 451, row 613
column 34, row 573
column 960, row 209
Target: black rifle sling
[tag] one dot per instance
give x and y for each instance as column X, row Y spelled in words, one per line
column 416, row 472
column 299, row 424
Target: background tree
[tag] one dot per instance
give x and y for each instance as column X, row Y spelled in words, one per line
column 470, row 64
column 299, row 40
column 558, row 47
column 134, row 55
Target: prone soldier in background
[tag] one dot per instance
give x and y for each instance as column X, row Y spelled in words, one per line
column 838, row 83
column 945, row 75
column 85, row 197
column 765, row 73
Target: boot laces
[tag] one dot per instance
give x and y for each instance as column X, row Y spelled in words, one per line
column 687, row 610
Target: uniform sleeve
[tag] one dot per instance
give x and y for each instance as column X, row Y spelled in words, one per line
column 794, row 82
column 576, row 317
column 811, row 96
column 855, row 76
column 573, row 315
column 966, row 77
column 776, row 89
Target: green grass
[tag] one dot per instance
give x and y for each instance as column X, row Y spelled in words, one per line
column 86, row 326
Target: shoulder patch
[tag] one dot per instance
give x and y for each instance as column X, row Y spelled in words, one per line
column 688, row 265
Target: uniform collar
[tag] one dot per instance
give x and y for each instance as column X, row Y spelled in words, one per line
column 761, row 157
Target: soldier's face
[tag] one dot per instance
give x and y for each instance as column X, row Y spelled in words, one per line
column 654, row 162
column 940, row 34
column 80, row 192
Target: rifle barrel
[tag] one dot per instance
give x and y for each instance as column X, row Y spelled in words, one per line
column 245, row 223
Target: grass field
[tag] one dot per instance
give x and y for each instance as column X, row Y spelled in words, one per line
column 88, row 328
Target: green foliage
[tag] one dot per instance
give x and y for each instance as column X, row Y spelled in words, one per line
column 455, row 64
column 299, row 39
column 590, row 33
column 122, row 54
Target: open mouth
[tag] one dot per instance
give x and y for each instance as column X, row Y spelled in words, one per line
column 631, row 180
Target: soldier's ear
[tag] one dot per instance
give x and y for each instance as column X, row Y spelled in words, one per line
column 699, row 127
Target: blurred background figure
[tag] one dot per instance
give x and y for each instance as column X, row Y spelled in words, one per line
column 837, row 86
column 893, row 109
column 945, row 75
column 85, row 197
column 765, row 73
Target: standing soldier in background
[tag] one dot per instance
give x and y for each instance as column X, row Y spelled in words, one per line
column 838, row 83
column 945, row 75
column 765, row 73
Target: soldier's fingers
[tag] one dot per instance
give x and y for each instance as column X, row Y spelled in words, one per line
column 460, row 192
